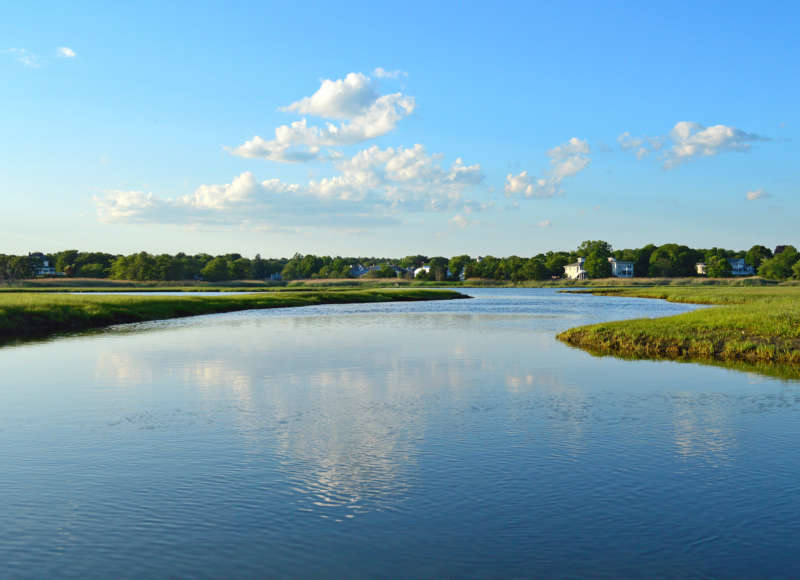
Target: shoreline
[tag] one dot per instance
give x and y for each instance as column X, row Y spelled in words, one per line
column 759, row 326
column 25, row 316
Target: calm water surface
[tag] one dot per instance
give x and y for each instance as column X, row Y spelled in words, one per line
column 437, row 439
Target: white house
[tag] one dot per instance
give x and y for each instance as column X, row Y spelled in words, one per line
column 621, row 268
column 44, row 268
column 575, row 271
column 738, row 268
column 418, row 271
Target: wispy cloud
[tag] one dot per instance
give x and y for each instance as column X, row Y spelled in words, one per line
column 757, row 194
column 689, row 140
column 382, row 73
column 544, row 224
column 24, row 56
column 65, row 52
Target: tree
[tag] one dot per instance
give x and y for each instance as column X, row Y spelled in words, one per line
column 672, row 260
column 718, row 267
column 597, row 266
column 756, row 255
column 555, row 262
column 92, row 271
column 458, row 263
column 438, row 268
column 596, row 254
column 780, row 266
column 216, row 270
column 598, row 247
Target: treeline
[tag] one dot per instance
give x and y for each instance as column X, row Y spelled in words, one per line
column 667, row 260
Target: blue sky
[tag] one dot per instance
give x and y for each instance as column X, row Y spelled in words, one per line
column 436, row 128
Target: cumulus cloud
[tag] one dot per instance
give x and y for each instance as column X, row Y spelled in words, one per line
column 24, row 56
column 566, row 160
column 400, row 177
column 353, row 100
column 65, row 52
column 689, row 140
column 756, row 194
column 340, row 99
column 373, row 183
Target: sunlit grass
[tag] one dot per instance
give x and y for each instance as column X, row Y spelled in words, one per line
column 27, row 315
column 756, row 324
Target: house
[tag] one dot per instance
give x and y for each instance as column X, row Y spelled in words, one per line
column 779, row 249
column 621, row 268
column 740, row 268
column 44, row 268
column 275, row 277
column 418, row 271
column 575, row 271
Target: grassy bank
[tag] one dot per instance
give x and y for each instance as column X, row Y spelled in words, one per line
column 750, row 324
column 31, row 315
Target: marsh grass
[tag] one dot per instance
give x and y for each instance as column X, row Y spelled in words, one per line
column 750, row 324
column 32, row 315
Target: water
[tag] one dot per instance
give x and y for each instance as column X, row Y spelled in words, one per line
column 437, row 439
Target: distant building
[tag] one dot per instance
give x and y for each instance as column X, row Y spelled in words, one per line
column 418, row 271
column 43, row 268
column 575, row 271
column 779, row 249
column 276, row 277
column 621, row 268
column 740, row 268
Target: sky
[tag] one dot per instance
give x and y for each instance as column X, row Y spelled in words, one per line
column 364, row 128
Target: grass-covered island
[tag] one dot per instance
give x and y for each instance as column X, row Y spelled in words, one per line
column 32, row 315
column 759, row 325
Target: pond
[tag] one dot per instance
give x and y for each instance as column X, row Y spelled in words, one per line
column 433, row 439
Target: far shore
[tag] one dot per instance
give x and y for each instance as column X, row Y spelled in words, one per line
column 38, row 315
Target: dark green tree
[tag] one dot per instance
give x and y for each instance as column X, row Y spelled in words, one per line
column 216, row 270
column 718, row 267
column 780, row 266
column 756, row 255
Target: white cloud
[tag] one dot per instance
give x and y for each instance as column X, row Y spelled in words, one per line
column 373, row 184
column 365, row 114
column 65, row 52
column 340, row 99
column 641, row 146
column 382, row 73
column 688, row 140
column 121, row 205
column 544, row 224
column 756, row 194
column 565, row 161
column 24, row 56
column 459, row 220
column 400, row 177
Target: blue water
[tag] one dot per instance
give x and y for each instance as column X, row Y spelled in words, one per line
column 437, row 439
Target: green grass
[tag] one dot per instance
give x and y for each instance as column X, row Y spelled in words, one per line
column 759, row 325
column 32, row 315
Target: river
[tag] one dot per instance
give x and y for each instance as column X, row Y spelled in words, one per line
column 434, row 439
